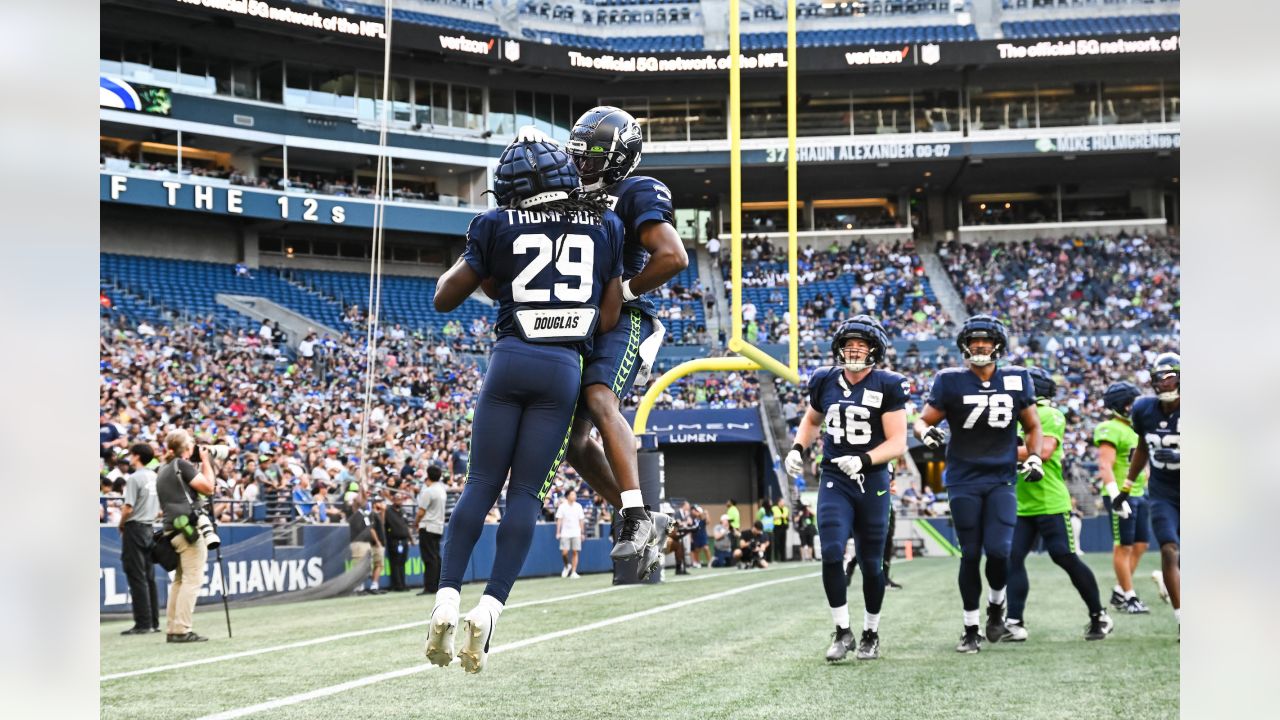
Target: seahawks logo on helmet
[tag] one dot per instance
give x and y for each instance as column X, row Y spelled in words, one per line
column 605, row 145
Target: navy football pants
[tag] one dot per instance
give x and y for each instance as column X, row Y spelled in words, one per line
column 984, row 516
column 521, row 426
column 1060, row 542
column 845, row 511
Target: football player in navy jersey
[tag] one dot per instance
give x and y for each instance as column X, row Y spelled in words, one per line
column 980, row 403
column 864, row 412
column 605, row 143
column 1155, row 420
column 554, row 261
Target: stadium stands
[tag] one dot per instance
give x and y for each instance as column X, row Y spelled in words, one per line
column 1078, row 27
column 1071, row 284
column 152, row 289
column 862, row 36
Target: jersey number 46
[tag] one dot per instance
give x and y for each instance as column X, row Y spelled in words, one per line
column 849, row 426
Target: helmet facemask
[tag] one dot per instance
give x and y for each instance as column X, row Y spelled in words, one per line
column 1166, row 385
column 857, row 354
column 981, row 359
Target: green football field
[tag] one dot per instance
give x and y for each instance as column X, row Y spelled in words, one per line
column 717, row 644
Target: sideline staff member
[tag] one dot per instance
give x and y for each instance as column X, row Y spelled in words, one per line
column 175, row 481
column 136, row 518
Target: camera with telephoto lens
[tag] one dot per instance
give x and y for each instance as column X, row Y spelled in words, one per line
column 216, row 453
column 202, row 526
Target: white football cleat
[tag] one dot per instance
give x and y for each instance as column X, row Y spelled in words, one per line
column 1157, row 577
column 444, row 620
column 477, row 629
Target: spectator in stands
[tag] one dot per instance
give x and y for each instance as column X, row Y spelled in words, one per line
column 303, row 501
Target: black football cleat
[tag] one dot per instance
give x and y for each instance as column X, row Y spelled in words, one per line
column 892, row 585
column 1100, row 625
column 869, row 647
column 996, row 631
column 1134, row 606
column 1117, row 600
column 970, row 641
column 841, row 641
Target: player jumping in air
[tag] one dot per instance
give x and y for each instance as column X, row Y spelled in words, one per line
column 980, row 403
column 554, row 261
column 866, row 427
column 1117, row 443
column 1044, row 512
column 1155, row 420
column 605, row 144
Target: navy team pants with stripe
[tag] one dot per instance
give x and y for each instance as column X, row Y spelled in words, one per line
column 1060, row 542
column 521, row 426
column 844, row 510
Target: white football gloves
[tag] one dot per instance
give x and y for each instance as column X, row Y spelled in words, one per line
column 529, row 133
column 794, row 463
column 1032, row 469
column 850, row 465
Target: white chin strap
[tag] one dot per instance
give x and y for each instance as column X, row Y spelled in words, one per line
column 596, row 186
column 1167, row 396
column 542, row 198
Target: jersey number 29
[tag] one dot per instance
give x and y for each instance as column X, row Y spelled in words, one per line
column 999, row 409
column 562, row 250
column 854, row 429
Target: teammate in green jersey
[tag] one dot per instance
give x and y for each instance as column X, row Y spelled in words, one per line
column 1044, row 512
column 1130, row 526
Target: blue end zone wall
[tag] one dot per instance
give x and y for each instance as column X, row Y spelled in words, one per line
column 1095, row 534
column 255, row 568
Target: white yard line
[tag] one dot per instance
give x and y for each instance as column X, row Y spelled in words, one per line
column 382, row 677
column 372, row 631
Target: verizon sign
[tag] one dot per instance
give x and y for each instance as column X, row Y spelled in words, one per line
column 877, row 57
column 1087, row 47
column 465, row 44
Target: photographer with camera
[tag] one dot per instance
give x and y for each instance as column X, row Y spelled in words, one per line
column 186, row 526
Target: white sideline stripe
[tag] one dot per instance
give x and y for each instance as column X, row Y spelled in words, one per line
column 392, row 675
column 332, row 638
column 362, row 633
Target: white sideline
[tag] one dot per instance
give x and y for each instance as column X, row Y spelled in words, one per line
column 380, row 677
column 362, row 633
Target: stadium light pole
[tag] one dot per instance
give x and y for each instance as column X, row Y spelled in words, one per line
column 749, row 356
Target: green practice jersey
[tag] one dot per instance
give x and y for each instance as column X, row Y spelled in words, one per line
column 1049, row 496
column 1120, row 434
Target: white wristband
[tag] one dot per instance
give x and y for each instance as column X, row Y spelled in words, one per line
column 1112, row 490
column 627, row 295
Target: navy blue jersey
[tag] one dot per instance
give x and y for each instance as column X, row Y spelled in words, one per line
column 1158, row 430
column 854, row 412
column 984, row 422
column 638, row 200
column 545, row 259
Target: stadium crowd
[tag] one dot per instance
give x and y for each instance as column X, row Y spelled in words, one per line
column 1072, row 284
column 884, row 279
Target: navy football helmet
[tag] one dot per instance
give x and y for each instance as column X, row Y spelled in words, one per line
column 1044, row 384
column 862, row 327
column 605, row 144
column 987, row 327
column 532, row 173
column 1166, row 376
column 1119, row 397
